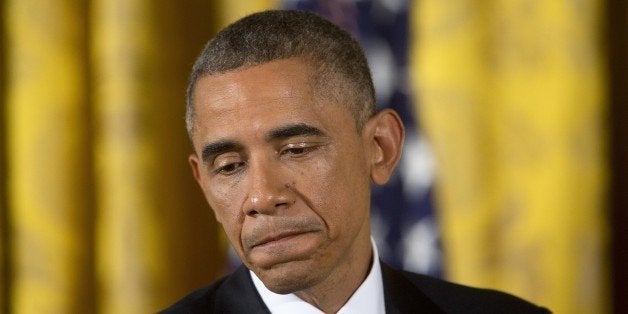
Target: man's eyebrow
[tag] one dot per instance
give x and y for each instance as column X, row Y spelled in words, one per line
column 216, row 148
column 299, row 129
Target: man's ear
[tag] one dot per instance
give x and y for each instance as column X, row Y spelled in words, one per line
column 195, row 164
column 386, row 133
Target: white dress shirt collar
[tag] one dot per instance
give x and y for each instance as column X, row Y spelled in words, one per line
column 367, row 299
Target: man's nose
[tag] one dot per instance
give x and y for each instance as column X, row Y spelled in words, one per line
column 269, row 189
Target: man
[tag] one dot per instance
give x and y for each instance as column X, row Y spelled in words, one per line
column 281, row 113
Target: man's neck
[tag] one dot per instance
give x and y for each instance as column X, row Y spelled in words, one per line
column 331, row 294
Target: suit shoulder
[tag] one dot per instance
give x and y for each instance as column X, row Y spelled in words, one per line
column 198, row 301
column 234, row 293
column 457, row 298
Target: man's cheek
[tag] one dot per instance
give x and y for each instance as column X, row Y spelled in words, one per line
column 227, row 217
column 230, row 225
column 219, row 217
column 224, row 202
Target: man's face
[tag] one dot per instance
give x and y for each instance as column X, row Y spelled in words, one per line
column 286, row 174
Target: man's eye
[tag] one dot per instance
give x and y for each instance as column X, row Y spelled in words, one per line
column 229, row 168
column 297, row 150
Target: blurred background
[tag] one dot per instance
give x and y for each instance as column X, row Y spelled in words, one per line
column 514, row 175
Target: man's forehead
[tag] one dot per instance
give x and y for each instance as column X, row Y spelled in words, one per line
column 278, row 79
column 248, row 102
column 297, row 66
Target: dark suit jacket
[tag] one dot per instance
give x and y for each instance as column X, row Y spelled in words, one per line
column 404, row 292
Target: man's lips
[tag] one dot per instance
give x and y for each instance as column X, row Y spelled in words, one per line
column 269, row 231
column 278, row 237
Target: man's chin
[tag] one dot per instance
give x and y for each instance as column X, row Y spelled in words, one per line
column 289, row 277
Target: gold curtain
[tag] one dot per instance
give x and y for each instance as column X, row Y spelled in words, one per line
column 512, row 96
column 48, row 157
column 230, row 11
column 100, row 213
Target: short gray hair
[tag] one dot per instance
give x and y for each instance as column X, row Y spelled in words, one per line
column 281, row 34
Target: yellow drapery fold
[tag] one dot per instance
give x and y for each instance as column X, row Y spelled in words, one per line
column 153, row 225
column 105, row 216
column 511, row 95
column 48, row 157
column 231, row 11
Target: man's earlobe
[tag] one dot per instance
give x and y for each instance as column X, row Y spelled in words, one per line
column 388, row 134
